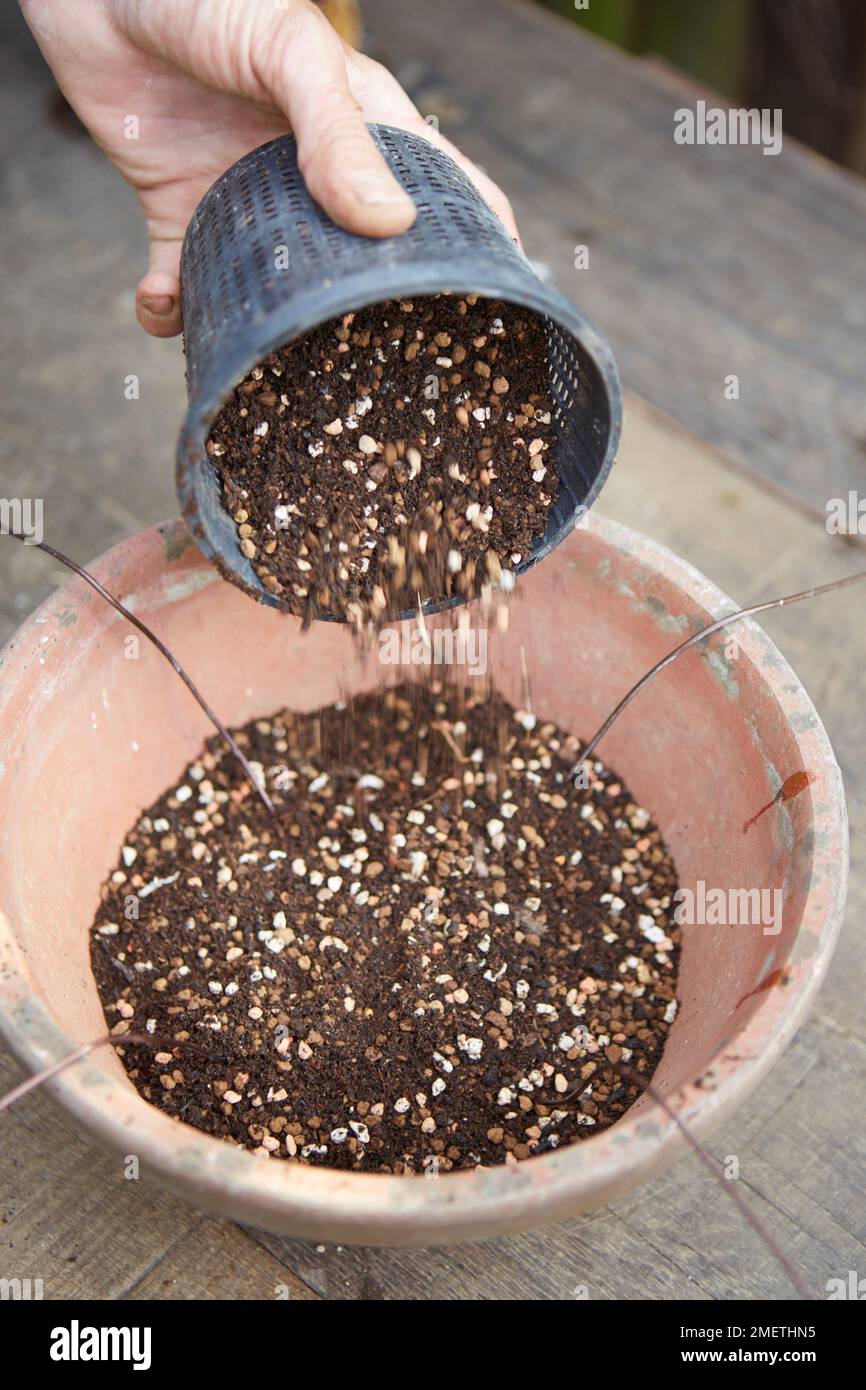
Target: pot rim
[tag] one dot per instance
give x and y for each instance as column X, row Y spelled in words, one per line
column 346, row 1206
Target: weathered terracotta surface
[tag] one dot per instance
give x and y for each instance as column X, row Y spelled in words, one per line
column 88, row 737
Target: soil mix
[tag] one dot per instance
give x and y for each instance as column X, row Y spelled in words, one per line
column 399, row 455
column 412, row 968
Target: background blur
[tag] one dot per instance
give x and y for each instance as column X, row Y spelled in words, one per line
column 806, row 56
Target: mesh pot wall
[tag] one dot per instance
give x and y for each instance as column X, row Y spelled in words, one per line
column 239, row 306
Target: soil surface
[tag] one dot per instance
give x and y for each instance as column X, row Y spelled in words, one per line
column 417, row 963
column 401, row 454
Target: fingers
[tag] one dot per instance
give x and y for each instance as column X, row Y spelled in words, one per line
column 341, row 165
column 385, row 101
column 157, row 299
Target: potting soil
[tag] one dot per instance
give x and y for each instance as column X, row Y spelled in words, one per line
column 428, row 960
column 396, row 456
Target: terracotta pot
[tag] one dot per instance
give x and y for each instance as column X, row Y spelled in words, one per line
column 88, row 737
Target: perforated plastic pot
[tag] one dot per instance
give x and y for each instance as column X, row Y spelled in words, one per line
column 238, row 306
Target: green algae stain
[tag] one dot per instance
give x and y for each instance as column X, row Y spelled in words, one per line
column 666, row 621
column 177, row 542
column 724, row 673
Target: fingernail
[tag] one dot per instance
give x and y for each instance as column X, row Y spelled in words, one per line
column 160, row 305
column 374, row 192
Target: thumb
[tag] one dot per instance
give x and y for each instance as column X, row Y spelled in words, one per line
column 342, row 168
column 348, row 177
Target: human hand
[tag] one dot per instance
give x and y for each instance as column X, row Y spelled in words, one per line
column 205, row 81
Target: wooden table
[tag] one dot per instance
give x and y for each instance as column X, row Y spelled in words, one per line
column 702, row 264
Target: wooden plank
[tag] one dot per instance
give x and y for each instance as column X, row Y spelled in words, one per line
column 218, row 1261
column 71, row 1219
column 69, row 1216
column 574, row 134
column 703, row 262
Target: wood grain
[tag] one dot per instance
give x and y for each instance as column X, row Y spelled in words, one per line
column 72, row 1219
column 753, row 270
column 703, row 261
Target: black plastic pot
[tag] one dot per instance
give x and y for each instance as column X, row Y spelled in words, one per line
column 238, row 307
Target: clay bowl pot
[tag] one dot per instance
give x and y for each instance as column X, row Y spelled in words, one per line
column 88, row 737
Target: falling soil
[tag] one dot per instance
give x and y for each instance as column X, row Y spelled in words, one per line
column 399, row 455
column 413, row 967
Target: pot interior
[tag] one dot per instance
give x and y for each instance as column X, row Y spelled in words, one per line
column 97, row 726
